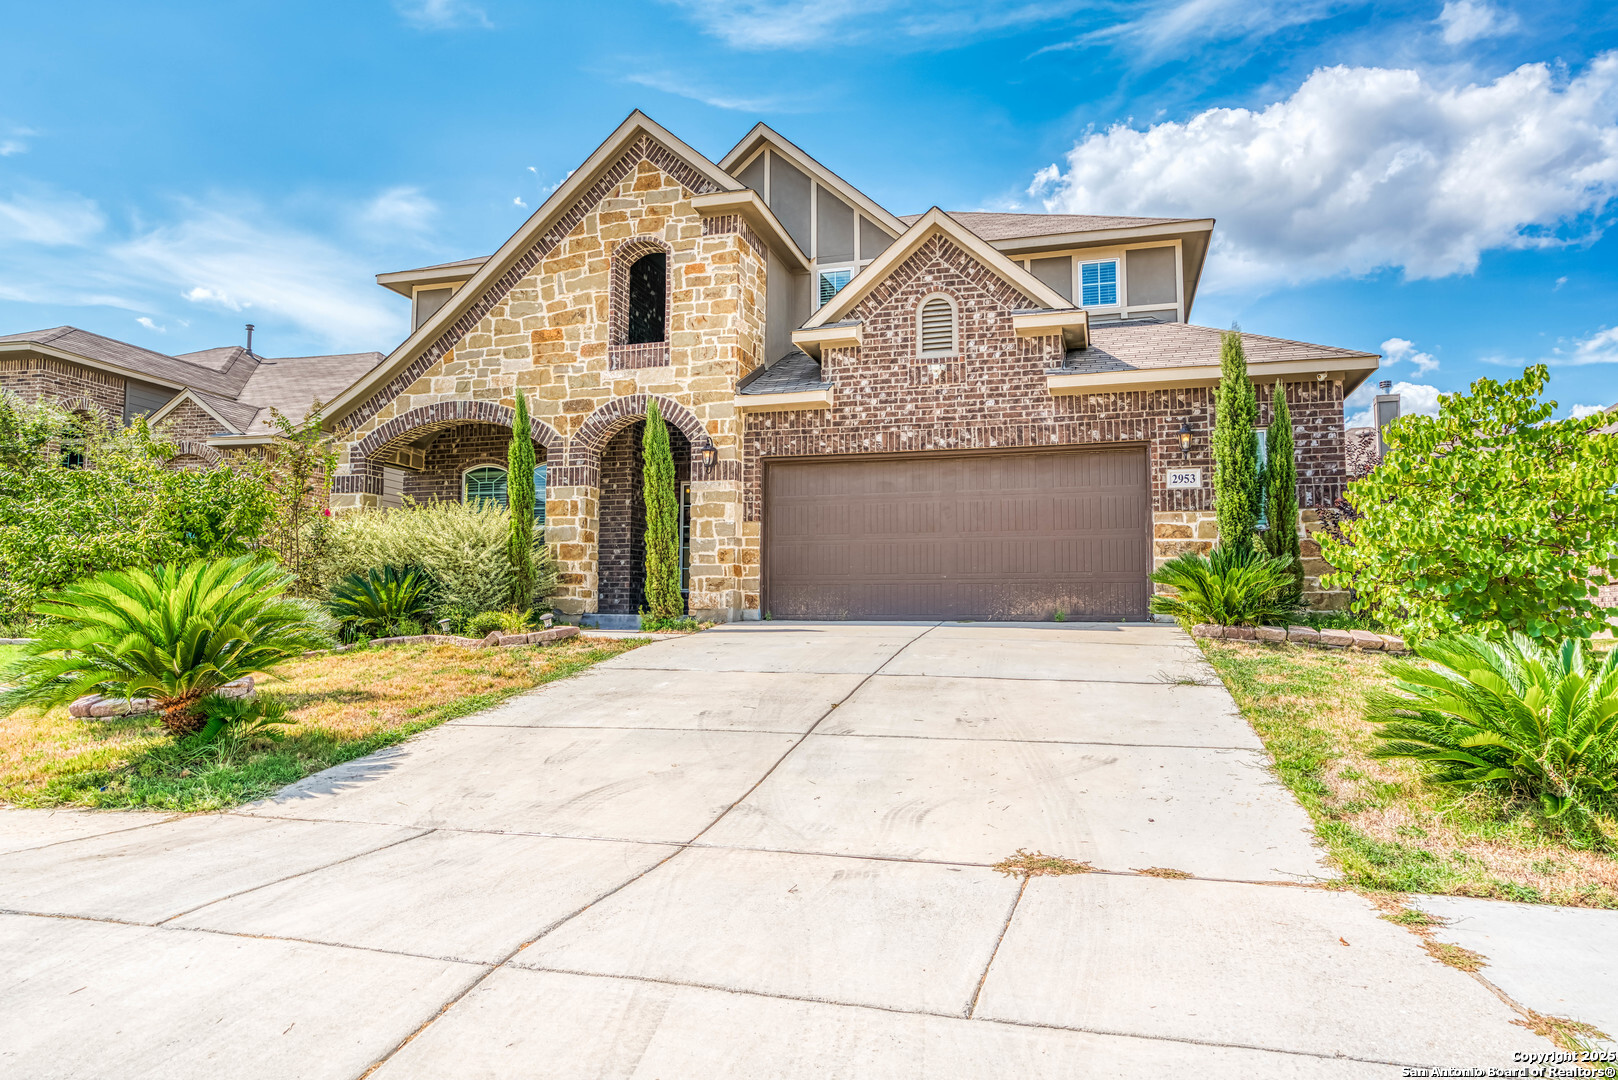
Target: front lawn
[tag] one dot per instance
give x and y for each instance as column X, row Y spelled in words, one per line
column 1385, row 826
column 345, row 705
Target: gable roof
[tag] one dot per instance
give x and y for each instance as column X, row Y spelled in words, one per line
column 763, row 134
column 636, row 126
column 292, row 383
column 233, row 417
column 935, row 222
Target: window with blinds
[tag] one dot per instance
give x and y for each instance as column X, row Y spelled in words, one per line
column 1098, row 283
column 484, row 485
column 937, row 320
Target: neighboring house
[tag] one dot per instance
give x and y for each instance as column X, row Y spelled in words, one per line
column 973, row 415
column 203, row 401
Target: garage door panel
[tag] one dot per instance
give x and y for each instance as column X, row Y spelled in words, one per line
column 1008, row 535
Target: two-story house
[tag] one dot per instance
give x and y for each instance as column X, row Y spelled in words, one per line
column 964, row 415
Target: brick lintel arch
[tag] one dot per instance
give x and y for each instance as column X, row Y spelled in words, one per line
column 365, row 477
column 196, row 449
column 584, row 449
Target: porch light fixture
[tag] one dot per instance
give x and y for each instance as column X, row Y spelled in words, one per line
column 710, row 453
column 1185, row 438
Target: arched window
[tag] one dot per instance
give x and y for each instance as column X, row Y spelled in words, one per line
column 484, row 484
column 936, row 330
column 487, row 483
column 648, row 292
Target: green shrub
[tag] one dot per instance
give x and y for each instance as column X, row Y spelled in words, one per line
column 463, row 549
column 1512, row 715
column 1232, row 586
column 1237, row 481
column 239, row 719
column 119, row 507
column 510, row 621
column 653, row 624
column 381, row 602
column 1489, row 518
column 1281, row 489
column 520, row 465
column 174, row 633
column 662, row 519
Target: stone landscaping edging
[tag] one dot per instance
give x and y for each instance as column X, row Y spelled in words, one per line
column 495, row 639
column 99, row 706
column 1364, row 640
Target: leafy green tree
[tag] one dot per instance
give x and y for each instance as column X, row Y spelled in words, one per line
column 175, row 633
column 297, row 471
column 1489, row 518
column 1281, row 489
column 1235, row 447
column 520, row 466
column 123, row 507
column 663, row 600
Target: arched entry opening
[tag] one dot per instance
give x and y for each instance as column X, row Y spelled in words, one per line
column 621, row 533
column 454, row 451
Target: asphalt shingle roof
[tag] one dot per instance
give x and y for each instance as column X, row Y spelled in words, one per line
column 225, row 380
column 794, row 373
column 1140, row 344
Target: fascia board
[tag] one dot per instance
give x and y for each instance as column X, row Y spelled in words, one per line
column 34, row 348
column 564, row 196
column 1073, row 325
column 242, row 440
column 934, row 221
column 801, row 399
column 402, row 281
column 763, row 133
column 1096, row 237
column 813, row 340
column 1111, row 382
column 751, row 206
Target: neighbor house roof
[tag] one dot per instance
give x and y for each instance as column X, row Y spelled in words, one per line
column 1137, row 353
column 1610, row 429
column 235, row 387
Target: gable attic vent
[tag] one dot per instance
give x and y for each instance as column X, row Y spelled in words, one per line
column 937, row 326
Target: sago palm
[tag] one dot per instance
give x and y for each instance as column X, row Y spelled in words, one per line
column 1234, row 586
column 173, row 633
column 381, row 599
column 1534, row 721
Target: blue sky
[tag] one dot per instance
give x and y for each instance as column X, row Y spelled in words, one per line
column 1436, row 181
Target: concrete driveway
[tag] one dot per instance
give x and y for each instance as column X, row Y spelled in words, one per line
column 761, row 851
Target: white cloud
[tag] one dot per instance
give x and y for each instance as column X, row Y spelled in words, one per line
column 681, row 86
column 400, row 208
column 1162, row 27
column 1414, row 399
column 805, row 24
column 1398, row 350
column 1363, row 169
column 1600, row 347
column 1581, row 411
column 150, row 325
column 1466, row 21
column 50, row 219
column 442, row 14
column 12, row 146
column 11, row 139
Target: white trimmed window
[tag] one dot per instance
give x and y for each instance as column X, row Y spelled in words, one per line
column 832, row 281
column 937, row 333
column 1098, row 283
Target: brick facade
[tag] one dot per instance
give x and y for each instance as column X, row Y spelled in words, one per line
column 188, row 422
column 455, row 450
column 72, row 386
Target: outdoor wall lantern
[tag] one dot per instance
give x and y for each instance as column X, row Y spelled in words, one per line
column 1185, row 438
column 710, row 453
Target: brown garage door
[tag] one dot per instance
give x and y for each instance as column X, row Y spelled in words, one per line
column 995, row 535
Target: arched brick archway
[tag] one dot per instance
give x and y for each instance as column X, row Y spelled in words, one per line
column 584, row 449
column 191, row 448
column 365, row 468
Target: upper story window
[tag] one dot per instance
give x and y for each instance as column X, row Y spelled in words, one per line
column 648, row 293
column 833, row 280
column 1098, row 283
column 429, row 301
column 937, row 332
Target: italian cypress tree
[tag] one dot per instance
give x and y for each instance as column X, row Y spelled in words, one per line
column 663, row 599
column 520, row 466
column 1281, row 489
column 1235, row 447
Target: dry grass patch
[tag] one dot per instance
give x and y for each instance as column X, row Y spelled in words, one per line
column 1038, row 864
column 1386, row 826
column 1570, row 1035
column 344, row 705
column 1164, row 872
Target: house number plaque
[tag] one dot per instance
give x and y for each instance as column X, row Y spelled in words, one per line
column 1185, row 478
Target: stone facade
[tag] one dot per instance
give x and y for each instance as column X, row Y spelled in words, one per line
column 546, row 328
